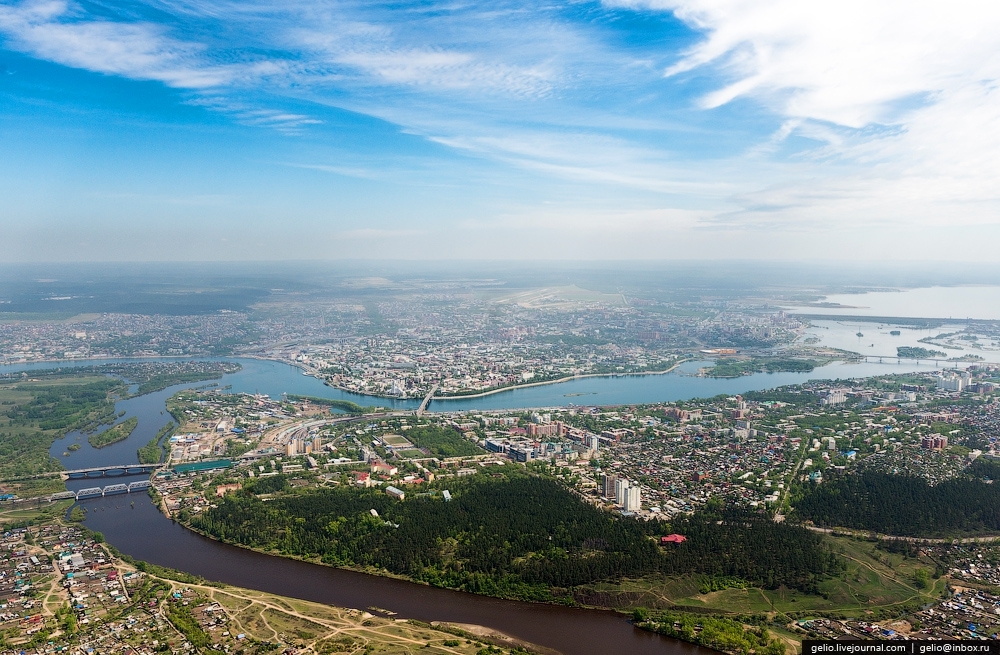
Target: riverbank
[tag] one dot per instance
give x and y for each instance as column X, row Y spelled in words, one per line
column 550, row 628
column 493, row 636
column 568, row 378
column 99, row 358
column 490, row 392
column 372, row 571
column 149, row 604
column 500, row 637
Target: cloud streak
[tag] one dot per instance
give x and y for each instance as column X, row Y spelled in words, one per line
column 52, row 30
column 726, row 115
column 902, row 97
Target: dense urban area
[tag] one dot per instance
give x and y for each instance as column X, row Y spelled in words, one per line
column 855, row 508
column 454, row 343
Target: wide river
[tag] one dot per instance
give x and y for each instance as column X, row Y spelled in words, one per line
column 133, row 525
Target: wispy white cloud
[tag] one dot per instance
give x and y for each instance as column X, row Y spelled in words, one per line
column 586, row 158
column 846, row 62
column 54, row 30
column 449, row 70
column 456, row 48
column 903, row 97
column 247, row 114
column 864, row 114
column 346, row 171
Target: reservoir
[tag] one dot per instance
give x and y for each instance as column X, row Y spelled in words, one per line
column 980, row 302
column 275, row 378
column 134, row 526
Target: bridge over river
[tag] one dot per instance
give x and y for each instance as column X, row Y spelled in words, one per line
column 884, row 359
column 110, row 471
column 95, row 492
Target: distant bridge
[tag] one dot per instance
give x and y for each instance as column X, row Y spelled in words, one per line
column 917, row 360
column 94, row 492
column 110, row 471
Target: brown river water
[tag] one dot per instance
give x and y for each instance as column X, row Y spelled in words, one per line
column 144, row 533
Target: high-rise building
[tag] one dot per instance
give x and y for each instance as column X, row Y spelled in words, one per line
column 633, row 500
column 608, row 486
column 934, row 442
column 544, row 430
column 621, row 492
column 834, row 397
column 592, row 442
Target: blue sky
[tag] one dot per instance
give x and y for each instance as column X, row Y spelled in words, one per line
column 653, row 129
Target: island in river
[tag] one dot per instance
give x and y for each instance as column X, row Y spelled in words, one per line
column 49, row 404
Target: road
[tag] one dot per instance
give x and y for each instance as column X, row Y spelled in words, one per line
column 427, row 400
column 916, row 540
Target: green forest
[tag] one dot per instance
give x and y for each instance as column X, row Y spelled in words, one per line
column 164, row 380
column 156, row 376
column 723, row 634
column 734, row 368
column 907, row 506
column 514, row 536
column 114, row 434
column 911, row 352
column 152, row 452
column 34, row 413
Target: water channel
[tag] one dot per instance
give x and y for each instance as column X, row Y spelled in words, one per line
column 133, row 525
column 145, row 533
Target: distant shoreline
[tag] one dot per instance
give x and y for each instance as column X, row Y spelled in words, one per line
column 65, row 360
column 483, row 394
column 312, row 374
column 557, row 381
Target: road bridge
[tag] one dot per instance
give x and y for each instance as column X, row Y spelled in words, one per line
column 427, row 400
column 110, row 471
column 899, row 360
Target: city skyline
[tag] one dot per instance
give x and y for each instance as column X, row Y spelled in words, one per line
column 651, row 129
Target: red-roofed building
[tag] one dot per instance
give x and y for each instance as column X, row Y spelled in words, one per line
column 672, row 539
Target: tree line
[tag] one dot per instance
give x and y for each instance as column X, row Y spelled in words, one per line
column 907, row 505
column 515, row 536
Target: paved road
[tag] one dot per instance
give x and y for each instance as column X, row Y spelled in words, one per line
column 427, row 401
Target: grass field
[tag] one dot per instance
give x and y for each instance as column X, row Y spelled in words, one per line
column 443, row 442
column 39, row 513
column 396, row 441
column 325, row 629
column 873, row 580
